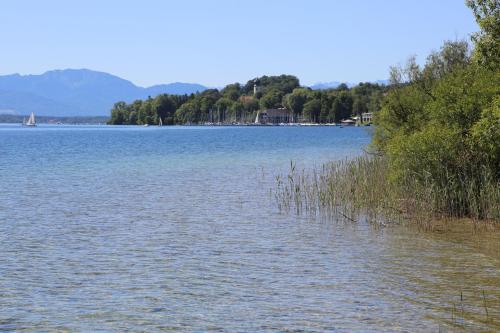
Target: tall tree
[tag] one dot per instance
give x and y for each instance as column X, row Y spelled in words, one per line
column 312, row 110
column 342, row 106
column 295, row 101
column 164, row 108
column 487, row 41
column 272, row 99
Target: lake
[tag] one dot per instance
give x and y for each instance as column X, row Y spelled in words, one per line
column 112, row 229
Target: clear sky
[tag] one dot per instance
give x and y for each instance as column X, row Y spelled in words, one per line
column 215, row 42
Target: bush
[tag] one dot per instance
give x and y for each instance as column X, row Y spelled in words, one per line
column 441, row 130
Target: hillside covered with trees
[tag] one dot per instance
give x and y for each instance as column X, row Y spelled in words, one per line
column 237, row 103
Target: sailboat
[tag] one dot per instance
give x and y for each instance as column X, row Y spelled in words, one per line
column 160, row 123
column 31, row 121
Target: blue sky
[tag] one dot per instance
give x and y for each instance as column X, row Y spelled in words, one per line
column 221, row 41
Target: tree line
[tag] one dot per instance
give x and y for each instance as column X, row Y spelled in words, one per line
column 239, row 103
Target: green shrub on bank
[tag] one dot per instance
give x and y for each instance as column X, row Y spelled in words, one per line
column 439, row 129
column 446, row 137
column 437, row 140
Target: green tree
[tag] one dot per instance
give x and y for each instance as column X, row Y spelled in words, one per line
column 222, row 107
column 487, row 41
column 236, row 111
column 284, row 83
column 119, row 114
column 164, row 108
column 188, row 113
column 272, row 99
column 341, row 107
column 342, row 87
column 132, row 118
column 232, row 91
column 312, row 110
column 146, row 114
column 360, row 105
column 295, row 100
column 438, row 128
column 485, row 137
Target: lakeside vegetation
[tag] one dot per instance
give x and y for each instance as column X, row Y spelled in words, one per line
column 240, row 103
column 436, row 147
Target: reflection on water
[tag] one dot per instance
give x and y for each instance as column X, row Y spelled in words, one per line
column 174, row 229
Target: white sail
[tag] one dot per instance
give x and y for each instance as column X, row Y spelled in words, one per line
column 160, row 123
column 31, row 120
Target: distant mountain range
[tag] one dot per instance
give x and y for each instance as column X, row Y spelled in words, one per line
column 335, row 84
column 76, row 92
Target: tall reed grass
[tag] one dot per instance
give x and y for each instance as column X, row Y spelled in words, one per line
column 363, row 186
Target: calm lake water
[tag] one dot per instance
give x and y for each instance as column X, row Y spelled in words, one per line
column 169, row 229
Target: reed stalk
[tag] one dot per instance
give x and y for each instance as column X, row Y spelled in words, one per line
column 363, row 186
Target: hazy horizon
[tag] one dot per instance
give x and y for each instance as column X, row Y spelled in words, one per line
column 179, row 82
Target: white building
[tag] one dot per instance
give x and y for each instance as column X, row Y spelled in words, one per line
column 366, row 117
column 274, row 116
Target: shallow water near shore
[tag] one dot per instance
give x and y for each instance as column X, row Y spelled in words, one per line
column 109, row 228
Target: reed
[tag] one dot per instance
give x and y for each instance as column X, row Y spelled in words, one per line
column 363, row 186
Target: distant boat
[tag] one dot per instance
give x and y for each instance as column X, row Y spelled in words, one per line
column 31, row 121
column 348, row 122
column 160, row 123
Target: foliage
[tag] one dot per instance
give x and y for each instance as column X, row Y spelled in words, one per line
column 437, row 139
column 341, row 107
column 295, row 100
column 487, row 14
column 271, row 99
column 439, row 128
column 283, row 83
column 237, row 103
column 312, row 110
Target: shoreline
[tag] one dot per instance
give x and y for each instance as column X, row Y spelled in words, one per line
column 194, row 125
